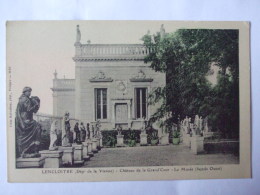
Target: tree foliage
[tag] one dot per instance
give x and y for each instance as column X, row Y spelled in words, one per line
column 186, row 57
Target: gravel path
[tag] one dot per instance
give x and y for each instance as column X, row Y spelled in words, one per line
column 156, row 156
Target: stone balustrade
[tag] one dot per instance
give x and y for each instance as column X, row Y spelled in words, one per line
column 107, row 51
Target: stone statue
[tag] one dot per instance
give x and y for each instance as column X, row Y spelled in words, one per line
column 77, row 132
column 78, row 35
column 200, row 123
column 196, row 120
column 83, row 132
column 28, row 131
column 88, row 131
column 205, row 126
column 66, row 130
column 92, row 134
column 53, row 135
column 98, row 126
column 119, row 130
column 186, row 125
column 162, row 32
column 143, row 128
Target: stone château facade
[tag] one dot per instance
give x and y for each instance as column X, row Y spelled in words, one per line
column 111, row 85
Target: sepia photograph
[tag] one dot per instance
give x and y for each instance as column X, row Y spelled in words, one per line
column 135, row 100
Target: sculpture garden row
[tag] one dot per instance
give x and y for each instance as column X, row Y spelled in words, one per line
column 66, row 148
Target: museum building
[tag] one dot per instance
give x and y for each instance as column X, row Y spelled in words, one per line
column 111, row 85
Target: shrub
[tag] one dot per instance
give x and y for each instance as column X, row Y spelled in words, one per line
column 152, row 136
column 109, row 138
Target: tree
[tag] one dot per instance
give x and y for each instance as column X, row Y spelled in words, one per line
column 186, row 57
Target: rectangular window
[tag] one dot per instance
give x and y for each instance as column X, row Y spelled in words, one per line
column 101, row 103
column 141, row 103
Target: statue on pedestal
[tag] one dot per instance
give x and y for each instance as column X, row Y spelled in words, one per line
column 28, row 131
column 119, row 130
column 53, row 135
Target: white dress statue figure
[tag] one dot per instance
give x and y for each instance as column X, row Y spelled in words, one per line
column 186, row 125
column 53, row 135
column 200, row 123
column 78, row 35
column 196, row 120
column 206, row 128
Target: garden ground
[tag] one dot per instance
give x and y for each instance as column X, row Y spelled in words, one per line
column 169, row 155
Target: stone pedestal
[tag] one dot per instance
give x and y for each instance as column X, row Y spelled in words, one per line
column 30, row 162
column 78, row 153
column 90, row 153
column 98, row 143
column 101, row 142
column 94, row 145
column 53, row 158
column 186, row 139
column 164, row 140
column 120, row 140
column 85, row 151
column 197, row 144
column 68, row 155
column 143, row 139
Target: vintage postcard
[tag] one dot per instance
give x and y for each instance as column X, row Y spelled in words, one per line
column 127, row 100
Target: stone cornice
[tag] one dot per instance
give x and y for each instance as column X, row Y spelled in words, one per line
column 141, row 79
column 100, row 80
column 62, row 89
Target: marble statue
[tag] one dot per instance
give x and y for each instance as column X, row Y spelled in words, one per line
column 66, row 130
column 83, row 132
column 77, row 132
column 53, row 135
column 143, row 128
column 162, row 31
column 78, row 37
column 98, row 126
column 28, row 131
column 88, row 131
column 119, row 130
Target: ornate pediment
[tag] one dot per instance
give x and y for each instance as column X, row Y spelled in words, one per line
column 100, row 77
column 141, row 77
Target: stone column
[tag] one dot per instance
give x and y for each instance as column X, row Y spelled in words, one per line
column 53, row 158
column 68, row 155
column 197, row 144
column 120, row 140
column 78, row 154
